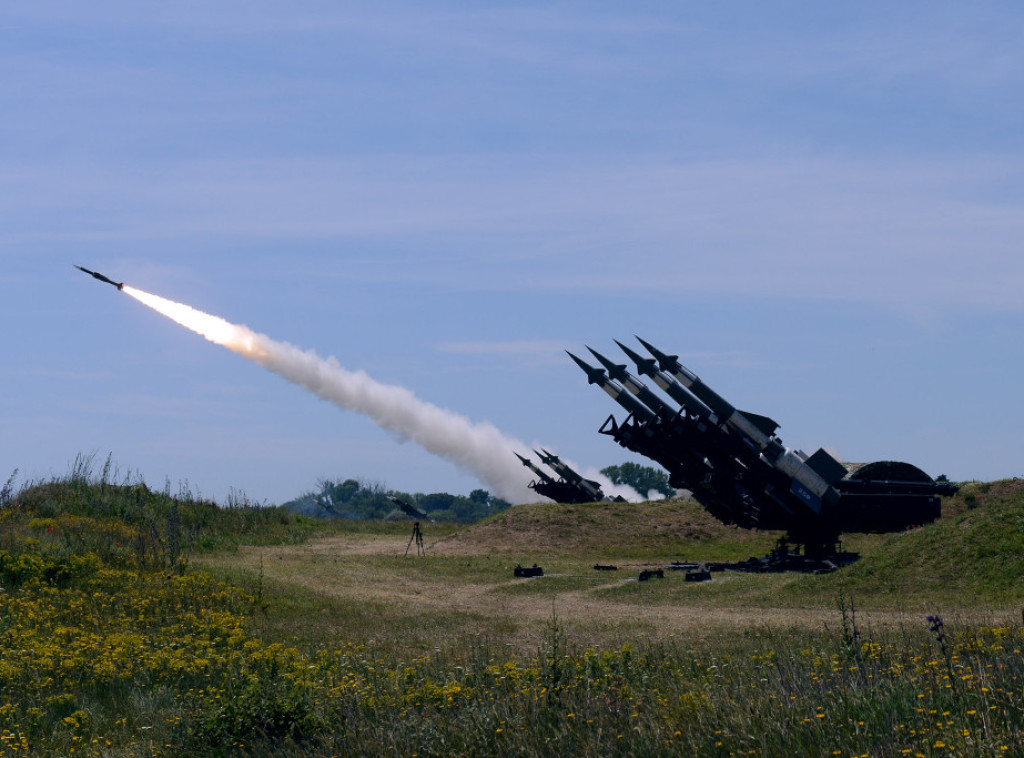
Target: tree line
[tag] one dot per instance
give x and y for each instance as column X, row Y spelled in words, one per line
column 355, row 499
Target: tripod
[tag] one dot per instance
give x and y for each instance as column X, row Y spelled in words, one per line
column 417, row 535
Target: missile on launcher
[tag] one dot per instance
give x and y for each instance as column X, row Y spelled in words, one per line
column 758, row 432
column 566, row 472
column 570, row 487
column 618, row 372
column 614, row 390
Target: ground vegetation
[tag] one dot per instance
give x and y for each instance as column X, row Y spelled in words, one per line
column 134, row 621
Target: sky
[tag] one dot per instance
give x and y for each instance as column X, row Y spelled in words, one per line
column 819, row 207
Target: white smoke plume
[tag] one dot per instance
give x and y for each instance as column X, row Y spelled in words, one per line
column 478, row 448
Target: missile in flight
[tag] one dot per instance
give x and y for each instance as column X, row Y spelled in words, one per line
column 96, row 275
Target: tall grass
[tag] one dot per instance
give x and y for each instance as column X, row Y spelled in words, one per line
column 161, row 527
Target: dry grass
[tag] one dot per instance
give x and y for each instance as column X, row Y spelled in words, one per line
column 361, row 585
column 655, row 529
column 366, row 588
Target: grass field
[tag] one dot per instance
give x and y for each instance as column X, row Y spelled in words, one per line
column 136, row 623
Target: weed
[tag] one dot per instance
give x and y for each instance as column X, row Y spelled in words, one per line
column 8, row 490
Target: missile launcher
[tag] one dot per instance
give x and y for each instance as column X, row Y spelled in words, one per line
column 738, row 469
column 568, row 487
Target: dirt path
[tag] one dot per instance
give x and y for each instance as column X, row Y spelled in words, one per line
column 373, row 569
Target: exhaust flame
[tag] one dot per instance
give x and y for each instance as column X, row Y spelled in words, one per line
column 238, row 339
column 477, row 448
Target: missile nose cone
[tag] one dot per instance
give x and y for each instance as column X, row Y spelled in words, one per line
column 665, row 361
column 594, row 375
column 643, row 365
column 649, row 347
column 615, row 370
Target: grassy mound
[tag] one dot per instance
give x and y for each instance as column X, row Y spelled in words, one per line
column 973, row 555
column 131, row 523
column 664, row 529
column 974, row 552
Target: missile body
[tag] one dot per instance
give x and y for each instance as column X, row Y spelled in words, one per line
column 757, row 431
column 530, row 465
column 614, row 390
column 617, row 371
column 95, row 275
column 567, row 473
column 563, row 470
column 570, row 487
column 548, row 459
column 678, row 432
column 670, row 364
column 648, row 367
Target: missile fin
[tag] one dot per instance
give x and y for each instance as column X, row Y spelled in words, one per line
column 765, row 424
column 645, row 366
column 666, row 361
column 615, row 370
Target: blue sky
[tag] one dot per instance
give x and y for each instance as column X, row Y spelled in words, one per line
column 819, row 207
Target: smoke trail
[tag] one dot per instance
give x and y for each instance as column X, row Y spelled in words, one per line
column 477, row 448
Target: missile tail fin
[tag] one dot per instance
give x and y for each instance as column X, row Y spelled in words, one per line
column 765, row 424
